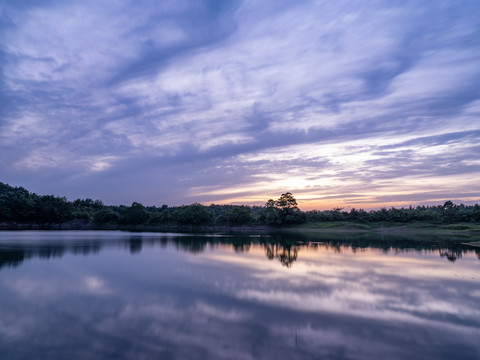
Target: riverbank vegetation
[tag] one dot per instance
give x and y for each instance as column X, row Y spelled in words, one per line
column 19, row 206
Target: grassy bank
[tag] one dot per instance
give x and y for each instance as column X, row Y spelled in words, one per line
column 336, row 226
column 418, row 228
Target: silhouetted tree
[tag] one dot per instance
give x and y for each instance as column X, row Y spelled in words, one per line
column 134, row 215
column 194, row 214
column 106, row 216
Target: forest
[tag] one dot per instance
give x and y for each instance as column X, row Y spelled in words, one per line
column 19, row 206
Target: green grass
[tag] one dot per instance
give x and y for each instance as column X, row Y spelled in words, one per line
column 346, row 225
column 337, row 225
column 458, row 227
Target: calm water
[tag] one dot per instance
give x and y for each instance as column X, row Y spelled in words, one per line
column 119, row 295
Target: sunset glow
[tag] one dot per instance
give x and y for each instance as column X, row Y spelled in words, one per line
column 235, row 102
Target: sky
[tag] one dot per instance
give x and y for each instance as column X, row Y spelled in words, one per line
column 361, row 104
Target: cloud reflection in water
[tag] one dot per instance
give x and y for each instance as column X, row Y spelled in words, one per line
column 224, row 300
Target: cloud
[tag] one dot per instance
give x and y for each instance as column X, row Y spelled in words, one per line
column 171, row 102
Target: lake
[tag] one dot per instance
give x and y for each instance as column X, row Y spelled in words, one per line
column 124, row 295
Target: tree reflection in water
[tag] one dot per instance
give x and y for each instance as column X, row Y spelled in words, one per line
column 287, row 254
column 283, row 247
column 204, row 296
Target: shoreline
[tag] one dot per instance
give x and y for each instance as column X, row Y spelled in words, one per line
column 333, row 227
column 392, row 228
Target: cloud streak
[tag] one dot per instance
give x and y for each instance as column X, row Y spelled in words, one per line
column 237, row 101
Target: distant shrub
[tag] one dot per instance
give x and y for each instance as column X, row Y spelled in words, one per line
column 105, row 216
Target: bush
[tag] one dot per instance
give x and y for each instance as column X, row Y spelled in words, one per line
column 106, row 216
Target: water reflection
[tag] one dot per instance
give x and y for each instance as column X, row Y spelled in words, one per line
column 18, row 246
column 239, row 297
column 287, row 254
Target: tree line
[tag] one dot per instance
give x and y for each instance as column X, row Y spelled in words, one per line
column 18, row 205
